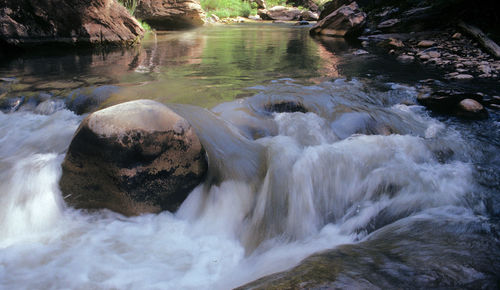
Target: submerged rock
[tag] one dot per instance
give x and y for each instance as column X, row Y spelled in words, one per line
column 96, row 22
column 132, row 158
column 170, row 14
column 86, row 100
column 347, row 21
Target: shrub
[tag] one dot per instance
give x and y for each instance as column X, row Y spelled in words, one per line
column 228, row 8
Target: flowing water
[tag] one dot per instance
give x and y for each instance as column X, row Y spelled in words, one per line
column 310, row 148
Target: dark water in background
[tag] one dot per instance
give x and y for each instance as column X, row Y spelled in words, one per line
column 412, row 197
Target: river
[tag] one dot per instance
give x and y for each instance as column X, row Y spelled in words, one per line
column 311, row 149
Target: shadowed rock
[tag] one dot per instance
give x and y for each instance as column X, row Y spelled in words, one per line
column 27, row 23
column 471, row 109
column 347, row 21
column 331, row 6
column 285, row 107
column 132, row 158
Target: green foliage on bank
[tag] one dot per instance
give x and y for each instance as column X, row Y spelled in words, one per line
column 130, row 5
column 228, row 8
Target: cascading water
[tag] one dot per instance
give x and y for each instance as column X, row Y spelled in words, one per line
column 335, row 163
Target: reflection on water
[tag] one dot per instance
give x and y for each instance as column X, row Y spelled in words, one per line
column 205, row 67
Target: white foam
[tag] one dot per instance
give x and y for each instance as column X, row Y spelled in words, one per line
column 318, row 192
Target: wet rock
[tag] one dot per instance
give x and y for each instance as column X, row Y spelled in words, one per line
column 424, row 56
column 285, row 107
column 360, row 52
column 387, row 11
column 406, row 58
column 396, row 42
column 388, row 23
column 309, row 16
column 25, row 23
column 132, row 158
column 49, row 107
column 280, row 13
column 472, row 109
column 386, row 260
column 170, row 14
column 446, row 100
column 463, row 77
column 434, row 54
column 347, row 21
column 485, row 68
column 426, row 43
column 492, row 100
column 331, row 6
column 86, row 100
column 9, row 105
column 302, row 22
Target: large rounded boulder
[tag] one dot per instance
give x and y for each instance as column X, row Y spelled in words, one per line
column 132, row 158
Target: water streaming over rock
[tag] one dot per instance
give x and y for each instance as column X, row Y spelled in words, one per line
column 293, row 170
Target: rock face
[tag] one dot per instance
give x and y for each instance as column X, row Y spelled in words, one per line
column 347, row 21
column 170, row 14
column 132, row 158
column 26, row 23
column 308, row 16
column 331, row 6
column 280, row 13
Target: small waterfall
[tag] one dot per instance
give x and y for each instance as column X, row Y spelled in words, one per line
column 282, row 185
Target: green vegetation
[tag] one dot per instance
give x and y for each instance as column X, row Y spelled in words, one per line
column 145, row 26
column 228, row 8
column 130, row 5
column 234, row 8
column 272, row 3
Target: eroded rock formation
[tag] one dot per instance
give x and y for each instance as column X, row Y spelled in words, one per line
column 96, row 22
